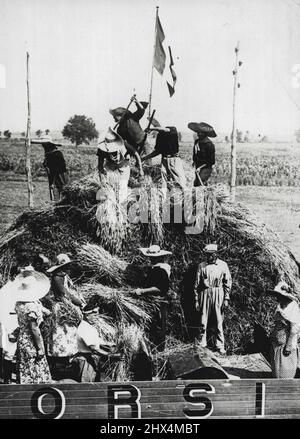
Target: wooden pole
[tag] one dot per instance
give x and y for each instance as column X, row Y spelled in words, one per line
column 233, row 133
column 151, row 82
column 28, row 139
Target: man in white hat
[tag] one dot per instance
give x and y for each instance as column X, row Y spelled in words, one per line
column 113, row 158
column 212, row 290
column 55, row 166
column 157, row 283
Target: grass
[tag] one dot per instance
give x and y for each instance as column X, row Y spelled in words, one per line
column 268, row 164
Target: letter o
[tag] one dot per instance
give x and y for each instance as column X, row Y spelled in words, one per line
column 60, row 403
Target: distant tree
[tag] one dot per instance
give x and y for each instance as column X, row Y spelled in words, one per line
column 80, row 129
column 23, row 134
column 7, row 134
column 0, row 133
column 39, row 133
column 239, row 136
column 179, row 136
column 247, row 137
column 297, row 134
column 264, row 139
column 47, row 132
column 226, row 139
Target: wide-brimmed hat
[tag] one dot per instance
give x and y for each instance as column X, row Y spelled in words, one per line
column 154, row 251
column 61, row 260
column 30, row 287
column 210, row 248
column 119, row 111
column 282, row 289
column 45, row 140
column 112, row 142
column 202, row 127
column 154, row 122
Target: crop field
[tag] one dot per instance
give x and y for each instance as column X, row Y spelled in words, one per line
column 267, row 164
column 268, row 180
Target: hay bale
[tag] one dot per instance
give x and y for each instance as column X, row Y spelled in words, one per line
column 255, row 254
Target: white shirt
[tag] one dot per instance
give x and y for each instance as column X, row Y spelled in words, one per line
column 87, row 336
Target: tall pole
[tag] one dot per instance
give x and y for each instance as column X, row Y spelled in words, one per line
column 152, row 68
column 233, row 133
column 28, row 139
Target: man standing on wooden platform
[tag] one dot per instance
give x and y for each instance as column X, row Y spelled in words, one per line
column 55, row 166
column 212, row 289
column 203, row 152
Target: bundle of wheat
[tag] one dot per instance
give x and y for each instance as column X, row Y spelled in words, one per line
column 99, row 265
column 131, row 341
column 120, row 304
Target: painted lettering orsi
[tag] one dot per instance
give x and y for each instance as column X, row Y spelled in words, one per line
column 120, row 397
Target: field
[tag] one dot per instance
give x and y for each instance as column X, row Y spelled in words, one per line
column 268, row 180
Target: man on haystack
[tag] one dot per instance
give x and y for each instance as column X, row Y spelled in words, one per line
column 113, row 161
column 55, row 165
column 212, row 289
column 203, row 152
column 129, row 128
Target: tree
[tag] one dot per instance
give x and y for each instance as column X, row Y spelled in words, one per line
column 247, row 137
column 226, row 139
column 39, row 133
column 297, row 134
column 47, row 131
column 80, row 129
column 7, row 134
column 23, row 134
column 239, row 136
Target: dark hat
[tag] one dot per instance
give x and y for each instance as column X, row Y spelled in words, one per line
column 202, row 127
column 144, row 104
column 119, row 111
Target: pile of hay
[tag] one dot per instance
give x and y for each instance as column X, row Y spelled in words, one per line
column 109, row 261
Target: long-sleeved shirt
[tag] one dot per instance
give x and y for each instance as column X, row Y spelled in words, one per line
column 203, row 153
column 130, row 129
column 213, row 276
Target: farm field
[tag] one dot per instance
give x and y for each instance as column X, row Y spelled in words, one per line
column 278, row 207
column 268, row 180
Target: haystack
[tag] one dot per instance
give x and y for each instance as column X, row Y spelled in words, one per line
column 255, row 254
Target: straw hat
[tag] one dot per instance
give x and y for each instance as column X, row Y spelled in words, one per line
column 112, row 142
column 202, row 127
column 61, row 260
column 29, row 288
column 210, row 248
column 45, row 140
column 119, row 111
column 154, row 251
column 282, row 289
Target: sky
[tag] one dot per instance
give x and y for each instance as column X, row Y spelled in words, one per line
column 87, row 56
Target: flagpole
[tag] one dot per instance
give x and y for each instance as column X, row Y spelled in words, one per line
column 154, row 46
column 28, row 140
column 233, row 133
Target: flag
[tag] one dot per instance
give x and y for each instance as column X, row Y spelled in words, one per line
column 173, row 75
column 159, row 52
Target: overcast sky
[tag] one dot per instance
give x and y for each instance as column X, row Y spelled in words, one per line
column 90, row 55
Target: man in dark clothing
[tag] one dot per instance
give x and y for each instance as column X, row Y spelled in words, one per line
column 157, row 283
column 55, row 166
column 168, row 146
column 129, row 127
column 203, row 152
